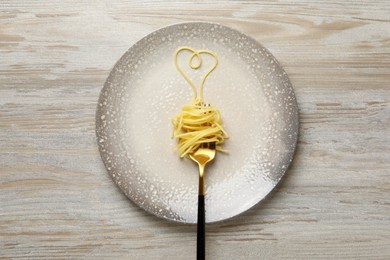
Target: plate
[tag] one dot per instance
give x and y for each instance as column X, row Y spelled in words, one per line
column 144, row 91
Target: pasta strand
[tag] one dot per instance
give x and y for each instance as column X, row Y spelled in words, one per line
column 197, row 123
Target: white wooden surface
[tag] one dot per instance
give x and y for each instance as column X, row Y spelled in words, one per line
column 56, row 200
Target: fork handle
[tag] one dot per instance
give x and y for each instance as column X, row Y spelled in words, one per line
column 200, row 249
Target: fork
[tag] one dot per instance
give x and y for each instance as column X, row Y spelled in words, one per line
column 202, row 156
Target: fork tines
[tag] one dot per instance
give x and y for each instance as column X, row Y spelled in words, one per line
column 210, row 145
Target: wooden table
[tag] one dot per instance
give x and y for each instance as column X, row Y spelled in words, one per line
column 57, row 200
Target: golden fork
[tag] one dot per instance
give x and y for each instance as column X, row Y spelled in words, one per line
column 202, row 156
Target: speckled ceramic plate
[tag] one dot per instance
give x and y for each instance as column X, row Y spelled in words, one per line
column 144, row 90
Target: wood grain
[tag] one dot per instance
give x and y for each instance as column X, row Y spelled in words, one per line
column 58, row 202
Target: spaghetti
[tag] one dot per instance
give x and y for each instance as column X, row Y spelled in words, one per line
column 197, row 123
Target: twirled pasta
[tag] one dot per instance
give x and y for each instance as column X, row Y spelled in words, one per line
column 197, row 123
